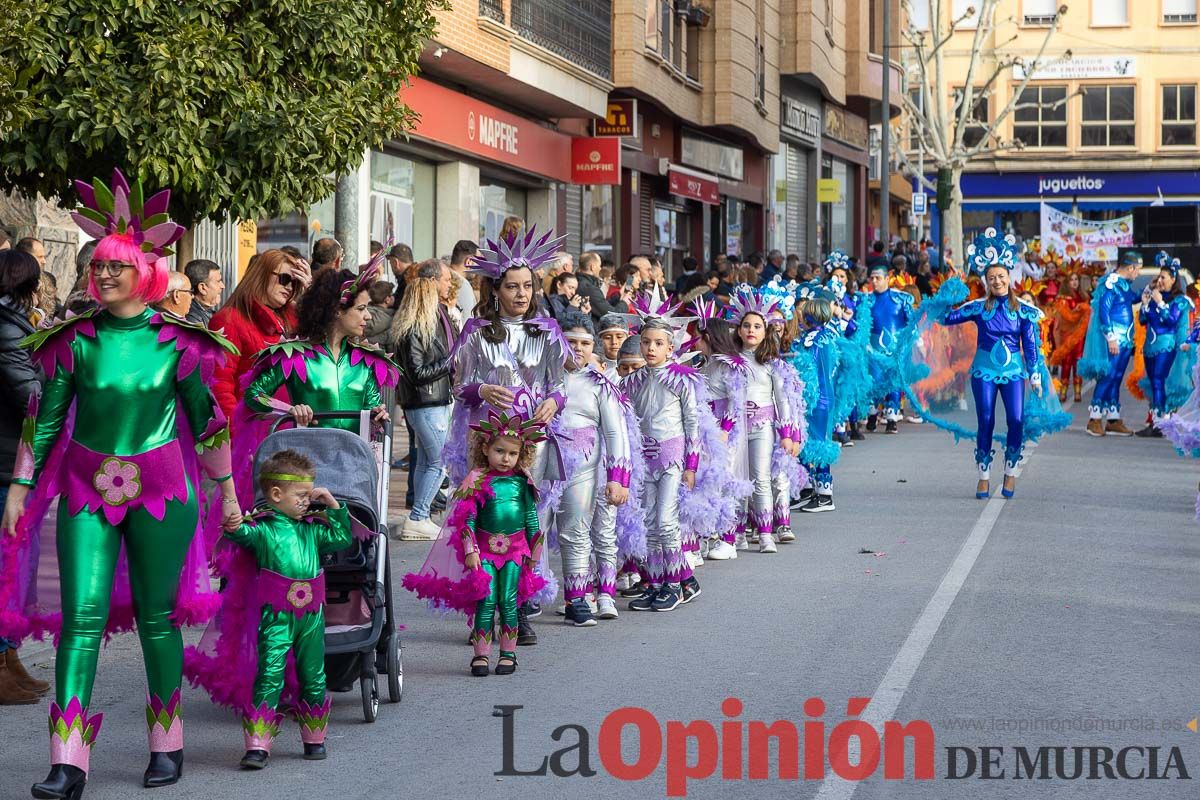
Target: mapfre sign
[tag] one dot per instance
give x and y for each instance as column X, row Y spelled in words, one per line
column 595, row 159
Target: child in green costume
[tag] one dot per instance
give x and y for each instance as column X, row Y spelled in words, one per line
column 287, row 542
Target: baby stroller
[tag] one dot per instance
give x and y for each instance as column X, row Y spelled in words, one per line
column 361, row 635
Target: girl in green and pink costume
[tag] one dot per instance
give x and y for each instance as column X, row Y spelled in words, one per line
column 287, row 543
column 123, row 417
column 483, row 563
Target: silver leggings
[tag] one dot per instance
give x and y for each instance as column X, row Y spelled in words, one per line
column 760, row 444
column 581, row 531
column 664, row 553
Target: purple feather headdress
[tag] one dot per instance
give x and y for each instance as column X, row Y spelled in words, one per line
column 745, row 300
column 519, row 251
column 704, row 310
column 519, row 424
column 123, row 209
column 369, row 273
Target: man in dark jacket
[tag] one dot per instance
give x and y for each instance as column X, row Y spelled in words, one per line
column 588, row 273
column 207, row 287
column 877, row 257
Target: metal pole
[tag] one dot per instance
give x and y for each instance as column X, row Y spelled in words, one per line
column 885, row 172
column 921, row 163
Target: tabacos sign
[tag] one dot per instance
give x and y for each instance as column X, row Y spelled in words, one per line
column 1072, row 185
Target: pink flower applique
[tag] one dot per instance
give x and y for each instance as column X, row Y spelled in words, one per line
column 498, row 543
column 300, row 594
column 117, row 481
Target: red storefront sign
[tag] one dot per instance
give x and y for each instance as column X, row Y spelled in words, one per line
column 595, row 159
column 693, row 185
column 477, row 128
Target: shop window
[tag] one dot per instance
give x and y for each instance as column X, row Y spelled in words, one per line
column 497, row 201
column 1110, row 13
column 401, row 202
column 1179, row 12
column 672, row 237
column 1040, row 117
column 977, row 121
column 1108, row 119
column 590, row 220
column 298, row 229
column 1179, row 115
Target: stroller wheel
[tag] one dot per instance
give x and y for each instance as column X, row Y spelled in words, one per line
column 369, row 685
column 395, row 669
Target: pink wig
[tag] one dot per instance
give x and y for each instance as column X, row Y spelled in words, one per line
column 152, row 277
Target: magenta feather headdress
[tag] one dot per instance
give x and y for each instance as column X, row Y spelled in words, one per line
column 369, row 273
column 519, row 424
column 517, row 251
column 123, row 209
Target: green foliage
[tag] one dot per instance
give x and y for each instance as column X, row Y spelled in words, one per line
column 245, row 108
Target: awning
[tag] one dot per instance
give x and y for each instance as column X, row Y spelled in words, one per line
column 693, row 184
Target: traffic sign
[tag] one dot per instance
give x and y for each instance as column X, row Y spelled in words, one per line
column 920, row 204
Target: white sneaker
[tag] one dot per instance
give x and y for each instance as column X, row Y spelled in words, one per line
column 915, row 420
column 425, row 530
column 606, row 608
column 722, row 551
column 694, row 560
column 766, row 544
column 706, row 543
column 624, row 581
column 591, row 601
column 752, row 536
column 741, row 542
column 786, row 535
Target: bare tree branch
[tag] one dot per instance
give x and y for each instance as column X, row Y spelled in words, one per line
column 1034, row 66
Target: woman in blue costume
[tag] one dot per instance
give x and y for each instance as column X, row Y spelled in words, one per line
column 815, row 355
column 1008, row 357
column 1166, row 312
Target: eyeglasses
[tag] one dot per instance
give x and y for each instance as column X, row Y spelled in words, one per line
column 112, row 269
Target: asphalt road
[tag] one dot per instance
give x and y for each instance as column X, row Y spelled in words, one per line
column 1067, row 617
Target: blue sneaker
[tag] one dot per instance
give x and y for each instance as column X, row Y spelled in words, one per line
column 646, row 601
column 668, row 598
column 579, row 613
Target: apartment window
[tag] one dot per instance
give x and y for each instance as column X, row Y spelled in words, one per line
column 1179, row 12
column 918, row 15
column 693, row 52
column 1179, row 116
column 914, row 122
column 1040, row 117
column 760, row 67
column 966, row 13
column 1108, row 116
column 678, row 17
column 1039, row 12
column 664, row 28
column 977, row 121
column 1110, row 13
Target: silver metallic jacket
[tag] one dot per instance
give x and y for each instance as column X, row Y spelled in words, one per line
column 664, row 399
column 533, row 362
column 594, row 405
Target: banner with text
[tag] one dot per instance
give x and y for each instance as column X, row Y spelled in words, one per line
column 1090, row 240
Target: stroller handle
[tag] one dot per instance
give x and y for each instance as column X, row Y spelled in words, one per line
column 319, row 415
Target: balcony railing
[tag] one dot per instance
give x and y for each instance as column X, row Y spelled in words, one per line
column 492, row 9
column 578, row 30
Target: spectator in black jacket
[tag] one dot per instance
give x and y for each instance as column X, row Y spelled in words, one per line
column 423, row 334
column 877, row 257
column 591, row 287
column 19, row 380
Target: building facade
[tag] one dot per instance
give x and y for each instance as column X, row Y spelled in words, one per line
column 1107, row 131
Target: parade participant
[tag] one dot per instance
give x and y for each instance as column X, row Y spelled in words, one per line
column 1108, row 346
column 482, row 565
column 815, row 357
column 597, row 423
column 612, row 333
column 1070, row 311
column 787, row 478
column 286, row 542
column 754, row 405
column 330, row 367
column 891, row 310
column 1167, row 313
column 853, row 352
column 1183, row 427
column 629, row 359
column 664, row 396
column 508, row 346
column 125, row 462
column 1008, row 353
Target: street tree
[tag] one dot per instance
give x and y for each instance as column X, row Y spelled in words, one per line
column 953, row 132
column 245, row 108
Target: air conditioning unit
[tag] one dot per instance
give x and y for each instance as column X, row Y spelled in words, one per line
column 1039, row 19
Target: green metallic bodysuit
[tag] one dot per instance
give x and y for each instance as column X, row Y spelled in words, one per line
column 314, row 378
column 506, row 532
column 292, row 549
column 123, row 481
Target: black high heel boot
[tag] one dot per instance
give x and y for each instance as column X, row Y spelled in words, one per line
column 165, row 769
column 64, row 782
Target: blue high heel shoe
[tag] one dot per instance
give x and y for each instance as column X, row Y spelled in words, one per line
column 984, row 495
column 1008, row 493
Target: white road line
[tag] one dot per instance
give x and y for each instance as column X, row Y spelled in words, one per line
column 886, row 698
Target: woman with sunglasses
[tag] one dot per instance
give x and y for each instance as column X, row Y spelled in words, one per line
column 260, row 312
column 116, row 433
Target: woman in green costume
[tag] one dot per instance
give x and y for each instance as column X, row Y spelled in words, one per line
column 124, row 414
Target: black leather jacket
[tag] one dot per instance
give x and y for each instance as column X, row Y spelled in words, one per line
column 19, row 378
column 425, row 368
